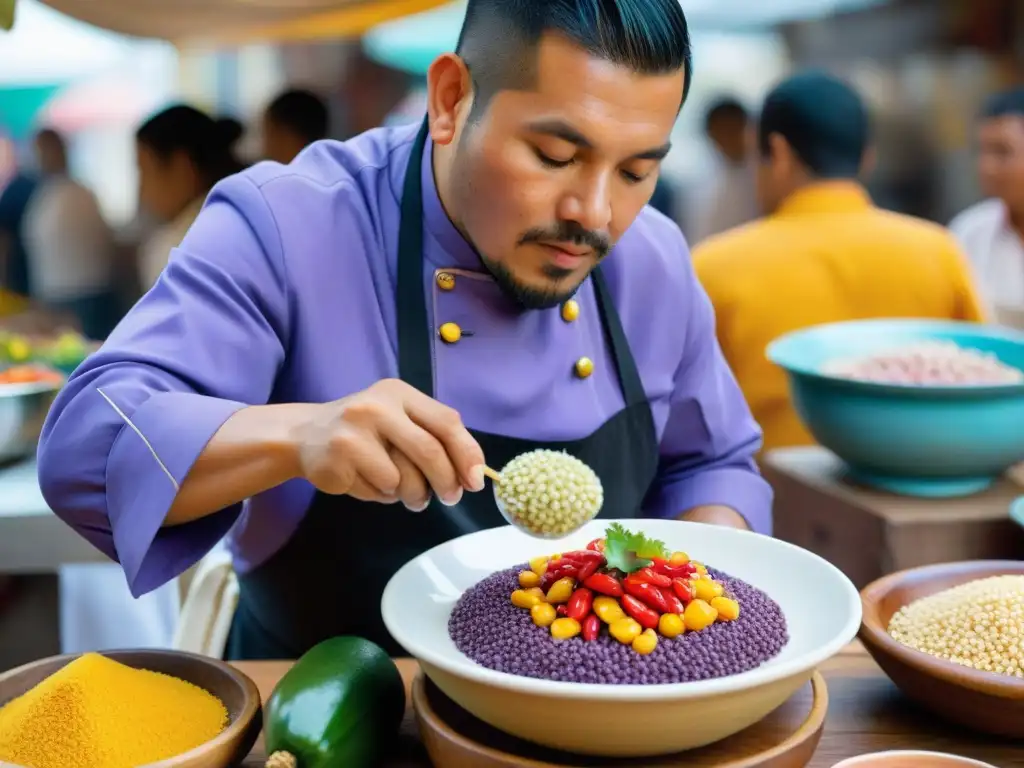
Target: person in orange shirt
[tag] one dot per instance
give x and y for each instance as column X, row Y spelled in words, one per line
column 823, row 252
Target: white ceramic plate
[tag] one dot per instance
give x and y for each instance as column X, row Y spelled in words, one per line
column 821, row 605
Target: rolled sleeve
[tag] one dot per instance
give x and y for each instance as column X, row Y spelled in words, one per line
column 149, row 446
column 710, row 439
column 205, row 342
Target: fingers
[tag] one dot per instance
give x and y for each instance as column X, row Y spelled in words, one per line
column 364, row 491
column 413, row 490
column 425, row 453
column 445, row 425
column 374, row 472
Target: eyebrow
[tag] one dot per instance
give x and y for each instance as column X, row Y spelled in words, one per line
column 566, row 132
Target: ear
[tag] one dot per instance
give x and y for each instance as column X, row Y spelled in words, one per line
column 449, row 93
column 868, row 162
column 783, row 159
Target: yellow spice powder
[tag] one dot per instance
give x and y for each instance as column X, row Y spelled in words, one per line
column 99, row 713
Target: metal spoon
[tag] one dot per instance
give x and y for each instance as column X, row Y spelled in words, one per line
column 497, row 479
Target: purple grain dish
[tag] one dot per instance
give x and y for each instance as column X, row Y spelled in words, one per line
column 491, row 631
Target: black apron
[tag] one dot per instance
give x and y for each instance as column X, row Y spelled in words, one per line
column 328, row 579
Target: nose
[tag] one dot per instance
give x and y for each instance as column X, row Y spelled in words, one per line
column 589, row 204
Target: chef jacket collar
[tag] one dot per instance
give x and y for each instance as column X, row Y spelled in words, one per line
column 452, row 251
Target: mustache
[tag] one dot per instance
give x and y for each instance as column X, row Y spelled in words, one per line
column 569, row 232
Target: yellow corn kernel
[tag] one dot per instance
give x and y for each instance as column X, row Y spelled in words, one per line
column 538, row 592
column 645, row 642
column 625, row 630
column 521, row 599
column 671, row 625
column 528, row 579
column 556, row 556
column 564, row 628
column 701, row 569
column 678, row 558
column 561, row 591
column 543, row 614
column 728, row 609
column 698, row 615
column 539, row 565
column 608, row 609
column 707, row 590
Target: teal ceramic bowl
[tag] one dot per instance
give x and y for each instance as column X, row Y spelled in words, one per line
column 930, row 441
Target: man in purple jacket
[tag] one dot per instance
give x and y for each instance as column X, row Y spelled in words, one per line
column 342, row 342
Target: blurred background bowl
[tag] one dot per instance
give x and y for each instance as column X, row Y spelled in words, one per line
column 23, row 409
column 932, row 441
column 984, row 701
column 236, row 691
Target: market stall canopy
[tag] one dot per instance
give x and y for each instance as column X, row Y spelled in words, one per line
column 219, row 22
column 411, row 43
column 46, row 47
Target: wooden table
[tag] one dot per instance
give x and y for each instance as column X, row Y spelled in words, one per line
column 868, row 533
column 866, row 714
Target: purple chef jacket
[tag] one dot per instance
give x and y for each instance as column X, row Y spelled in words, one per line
column 283, row 291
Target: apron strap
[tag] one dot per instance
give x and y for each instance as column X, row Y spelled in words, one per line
column 629, row 375
column 414, row 334
column 415, row 365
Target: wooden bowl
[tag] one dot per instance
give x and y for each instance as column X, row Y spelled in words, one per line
column 238, row 693
column 984, row 701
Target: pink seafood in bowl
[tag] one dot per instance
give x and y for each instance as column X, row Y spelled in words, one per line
column 928, row 363
column 910, row 759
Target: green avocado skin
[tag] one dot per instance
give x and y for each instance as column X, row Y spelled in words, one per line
column 339, row 706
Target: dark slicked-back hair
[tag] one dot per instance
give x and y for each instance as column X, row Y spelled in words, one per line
column 1009, row 103
column 822, row 119
column 499, row 38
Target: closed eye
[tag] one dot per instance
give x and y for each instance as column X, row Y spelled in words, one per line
column 550, row 161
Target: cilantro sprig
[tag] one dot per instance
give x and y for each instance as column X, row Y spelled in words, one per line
column 628, row 551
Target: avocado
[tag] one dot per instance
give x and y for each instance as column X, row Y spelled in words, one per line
column 339, row 706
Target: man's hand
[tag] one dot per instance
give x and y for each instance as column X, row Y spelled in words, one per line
column 390, row 443
column 716, row 515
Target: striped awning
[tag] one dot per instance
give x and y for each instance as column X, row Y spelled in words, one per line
column 220, row 22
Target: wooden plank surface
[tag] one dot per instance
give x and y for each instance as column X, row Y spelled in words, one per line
column 866, row 714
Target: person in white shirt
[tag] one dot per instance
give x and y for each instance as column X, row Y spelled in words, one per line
column 991, row 232
column 69, row 245
column 732, row 200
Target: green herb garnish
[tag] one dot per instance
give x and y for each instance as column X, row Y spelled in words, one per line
column 628, row 551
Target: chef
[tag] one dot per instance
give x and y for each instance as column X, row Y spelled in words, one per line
column 339, row 345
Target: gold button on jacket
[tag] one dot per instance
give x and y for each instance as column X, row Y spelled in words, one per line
column 445, row 281
column 450, row 332
column 584, row 367
column 570, row 310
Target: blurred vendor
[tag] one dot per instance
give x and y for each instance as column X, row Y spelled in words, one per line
column 339, row 345
column 992, row 231
column 291, row 122
column 823, row 253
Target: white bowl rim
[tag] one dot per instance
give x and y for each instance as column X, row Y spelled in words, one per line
column 757, row 677
column 853, row 762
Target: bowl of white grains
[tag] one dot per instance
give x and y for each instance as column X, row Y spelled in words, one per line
column 917, row 407
column 951, row 637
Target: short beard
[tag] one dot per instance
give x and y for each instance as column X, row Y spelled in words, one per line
column 527, row 296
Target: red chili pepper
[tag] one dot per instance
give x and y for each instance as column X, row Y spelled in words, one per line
column 650, row 577
column 579, row 604
column 649, row 594
column 683, row 590
column 591, row 627
column 582, row 555
column 675, row 605
column 597, row 545
column 605, row 584
column 559, row 570
column 662, row 567
column 644, row 616
column 588, row 568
